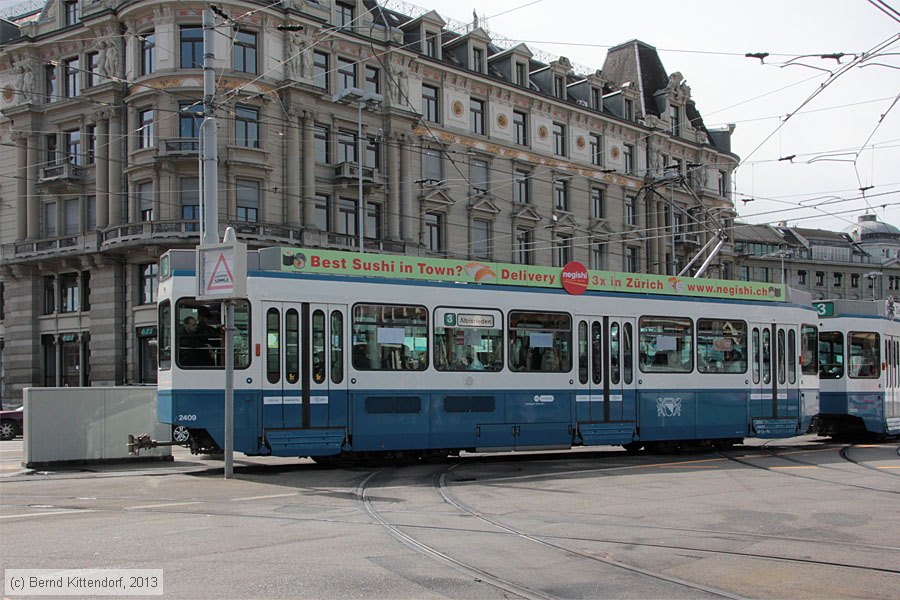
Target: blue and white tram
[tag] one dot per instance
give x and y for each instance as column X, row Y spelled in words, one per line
column 349, row 354
column 859, row 368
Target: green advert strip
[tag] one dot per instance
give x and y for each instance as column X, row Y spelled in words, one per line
column 335, row 262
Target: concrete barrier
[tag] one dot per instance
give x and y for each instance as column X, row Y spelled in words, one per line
column 87, row 425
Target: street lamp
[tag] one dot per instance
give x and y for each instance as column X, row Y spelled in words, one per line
column 871, row 275
column 369, row 101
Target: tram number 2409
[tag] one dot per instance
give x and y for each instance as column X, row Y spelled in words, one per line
column 187, row 417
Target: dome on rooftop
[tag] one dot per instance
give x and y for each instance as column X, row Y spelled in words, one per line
column 868, row 227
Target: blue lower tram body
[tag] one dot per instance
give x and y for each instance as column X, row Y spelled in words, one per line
column 854, row 413
column 393, row 421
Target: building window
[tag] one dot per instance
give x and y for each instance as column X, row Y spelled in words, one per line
column 598, row 207
column 628, row 106
column 373, row 221
column 432, row 165
column 145, row 200
column 559, row 139
column 559, row 86
column 838, row 279
column 765, row 274
column 628, row 156
column 598, row 255
column 854, row 280
column 148, row 53
column 322, row 144
column 93, row 67
column 631, row 211
column 73, row 77
column 372, row 157
column 596, row 146
column 189, row 191
column 48, row 352
column 343, row 14
column 430, row 103
column 71, row 221
column 434, row 232
column 51, row 156
column 562, row 250
column 801, row 277
column 521, row 74
column 520, row 131
column 430, row 44
column 632, row 260
column 481, row 178
column 373, row 84
column 73, row 12
column 524, row 249
column 149, row 281
column 745, row 273
column 481, row 239
column 674, row 120
column 49, row 306
column 346, row 74
column 321, row 212
column 69, row 299
column 244, row 52
column 596, row 98
column 478, row 60
column 191, row 47
column 246, row 127
column 73, row 146
column 561, row 194
column 820, row 278
column 476, row 116
column 320, row 70
column 521, row 186
column 147, row 355
column 51, row 92
column 189, row 118
column 145, row 119
column 248, row 193
column 346, row 147
column 346, row 217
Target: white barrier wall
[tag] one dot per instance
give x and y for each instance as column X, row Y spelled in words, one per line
column 89, row 424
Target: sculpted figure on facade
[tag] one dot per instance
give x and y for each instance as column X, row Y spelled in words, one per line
column 24, row 82
column 399, row 91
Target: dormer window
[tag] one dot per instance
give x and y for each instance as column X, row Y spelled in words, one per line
column 596, row 98
column 478, row 60
column 343, row 14
column 72, row 12
column 723, row 183
column 430, row 48
column 675, row 120
column 559, row 86
column 521, row 74
column 628, row 109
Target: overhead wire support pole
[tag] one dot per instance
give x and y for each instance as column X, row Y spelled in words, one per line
column 209, row 133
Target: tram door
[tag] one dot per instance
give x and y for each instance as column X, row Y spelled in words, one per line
column 774, row 364
column 304, row 364
column 619, row 378
column 281, row 383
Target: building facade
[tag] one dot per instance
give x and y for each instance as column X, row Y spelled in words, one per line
column 471, row 148
column 862, row 262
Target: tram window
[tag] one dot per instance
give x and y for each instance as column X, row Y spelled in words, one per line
column 721, row 346
column 164, row 342
column 666, row 345
column 755, row 355
column 596, row 353
column 792, row 356
column 864, row 350
column 767, row 355
column 467, row 339
column 273, row 346
column 614, row 353
column 317, row 337
column 337, row 346
column 291, row 345
column 388, row 337
column 200, row 335
column 809, row 349
column 582, row 353
column 627, row 353
column 781, row 356
column 540, row 342
column 831, row 355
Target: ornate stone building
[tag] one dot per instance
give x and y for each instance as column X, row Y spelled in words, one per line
column 472, row 147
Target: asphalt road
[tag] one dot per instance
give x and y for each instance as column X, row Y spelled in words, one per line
column 800, row 518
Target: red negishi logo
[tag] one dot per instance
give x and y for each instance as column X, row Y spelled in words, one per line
column 575, row 278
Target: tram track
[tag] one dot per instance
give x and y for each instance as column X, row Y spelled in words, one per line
column 845, row 454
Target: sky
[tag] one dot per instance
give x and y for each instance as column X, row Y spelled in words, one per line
column 844, row 132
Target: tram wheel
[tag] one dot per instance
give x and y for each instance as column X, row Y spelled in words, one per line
column 632, row 447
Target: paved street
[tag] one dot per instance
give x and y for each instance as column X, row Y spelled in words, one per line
column 803, row 519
